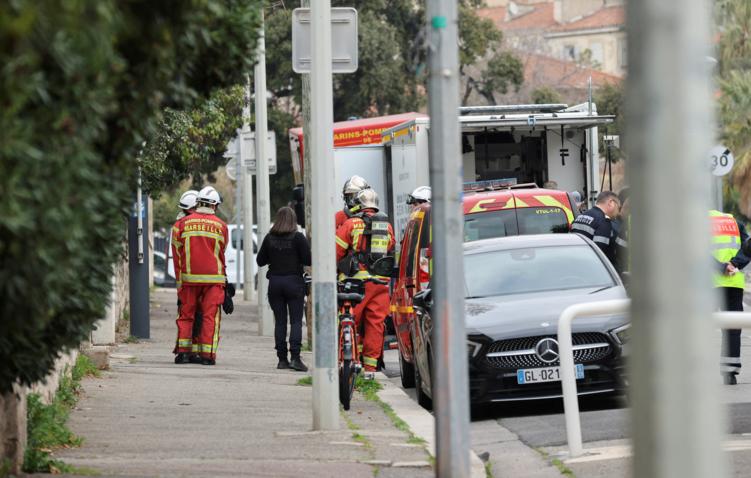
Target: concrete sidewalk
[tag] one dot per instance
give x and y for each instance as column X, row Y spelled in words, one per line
column 149, row 417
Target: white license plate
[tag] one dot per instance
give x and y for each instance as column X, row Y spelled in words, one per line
column 546, row 374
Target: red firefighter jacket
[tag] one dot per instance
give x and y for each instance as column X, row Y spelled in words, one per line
column 200, row 240
column 349, row 237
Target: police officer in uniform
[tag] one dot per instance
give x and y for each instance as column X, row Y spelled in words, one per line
column 595, row 223
column 727, row 237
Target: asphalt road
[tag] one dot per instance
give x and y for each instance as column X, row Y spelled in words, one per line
column 604, row 421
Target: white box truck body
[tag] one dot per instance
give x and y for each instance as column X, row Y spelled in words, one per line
column 524, row 144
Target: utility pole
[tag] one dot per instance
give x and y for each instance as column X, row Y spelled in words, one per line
column 677, row 424
column 238, row 218
column 451, row 387
column 306, row 178
column 266, row 320
column 325, row 376
column 249, row 285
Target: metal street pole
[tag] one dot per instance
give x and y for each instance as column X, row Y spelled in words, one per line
column 249, row 285
column 238, row 218
column 307, row 185
column 677, row 424
column 451, row 388
column 138, row 267
column 325, row 377
column 266, row 318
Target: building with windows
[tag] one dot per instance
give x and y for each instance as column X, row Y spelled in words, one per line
column 590, row 33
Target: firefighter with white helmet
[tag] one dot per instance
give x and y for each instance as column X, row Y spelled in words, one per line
column 201, row 239
column 188, row 202
column 365, row 239
column 420, row 195
column 350, row 190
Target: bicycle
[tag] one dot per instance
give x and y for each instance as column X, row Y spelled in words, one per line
column 350, row 293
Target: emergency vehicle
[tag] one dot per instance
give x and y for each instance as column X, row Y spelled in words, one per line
column 491, row 209
column 519, row 143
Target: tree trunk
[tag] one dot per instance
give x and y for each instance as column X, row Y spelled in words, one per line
column 12, row 430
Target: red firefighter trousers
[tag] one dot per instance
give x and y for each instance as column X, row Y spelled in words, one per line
column 207, row 298
column 371, row 313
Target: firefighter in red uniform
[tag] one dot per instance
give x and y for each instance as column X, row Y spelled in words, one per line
column 202, row 239
column 368, row 237
column 351, row 189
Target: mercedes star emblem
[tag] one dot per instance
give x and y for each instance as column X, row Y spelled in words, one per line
column 547, row 350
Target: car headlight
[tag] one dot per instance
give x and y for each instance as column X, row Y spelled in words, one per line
column 622, row 334
column 473, row 348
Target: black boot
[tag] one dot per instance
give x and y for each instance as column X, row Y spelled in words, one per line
column 194, row 358
column 729, row 379
column 297, row 364
column 181, row 358
column 283, row 363
column 208, row 361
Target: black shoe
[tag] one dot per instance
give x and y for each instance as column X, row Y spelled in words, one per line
column 208, row 361
column 181, row 358
column 729, row 379
column 296, row 364
column 283, row 364
column 194, row 358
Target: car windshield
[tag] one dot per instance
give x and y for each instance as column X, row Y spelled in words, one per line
column 520, row 271
column 514, row 222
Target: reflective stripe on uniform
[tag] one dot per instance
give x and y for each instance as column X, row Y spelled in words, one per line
column 370, row 361
column 204, row 278
column 621, row 242
column 583, row 227
column 218, row 258
column 601, row 239
column 184, row 342
column 210, row 235
column 215, row 339
column 203, row 348
column 730, row 368
column 341, row 242
column 729, row 360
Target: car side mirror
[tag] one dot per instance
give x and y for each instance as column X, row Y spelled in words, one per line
column 423, row 299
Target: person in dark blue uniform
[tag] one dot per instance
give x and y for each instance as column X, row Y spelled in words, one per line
column 595, row 223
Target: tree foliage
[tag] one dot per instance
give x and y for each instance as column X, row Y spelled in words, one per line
column 83, row 83
column 191, row 143
column 485, row 67
column 545, row 95
column 734, row 78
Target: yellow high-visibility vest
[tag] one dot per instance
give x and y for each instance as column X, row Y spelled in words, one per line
column 726, row 241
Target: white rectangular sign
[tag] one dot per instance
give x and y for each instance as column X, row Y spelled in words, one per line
column 343, row 40
column 249, row 151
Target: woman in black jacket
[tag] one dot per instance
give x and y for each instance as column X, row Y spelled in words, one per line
column 286, row 251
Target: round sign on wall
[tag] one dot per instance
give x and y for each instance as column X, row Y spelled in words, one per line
column 720, row 160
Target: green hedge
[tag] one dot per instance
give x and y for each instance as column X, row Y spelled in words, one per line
column 82, row 83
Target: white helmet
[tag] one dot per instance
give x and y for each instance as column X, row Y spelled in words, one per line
column 420, row 195
column 209, row 195
column 367, row 199
column 188, row 200
column 352, row 186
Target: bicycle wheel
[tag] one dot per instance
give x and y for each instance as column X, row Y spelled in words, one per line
column 346, row 383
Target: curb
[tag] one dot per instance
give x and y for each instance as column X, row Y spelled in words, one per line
column 420, row 421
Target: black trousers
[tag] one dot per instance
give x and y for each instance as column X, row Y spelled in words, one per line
column 286, row 297
column 730, row 359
